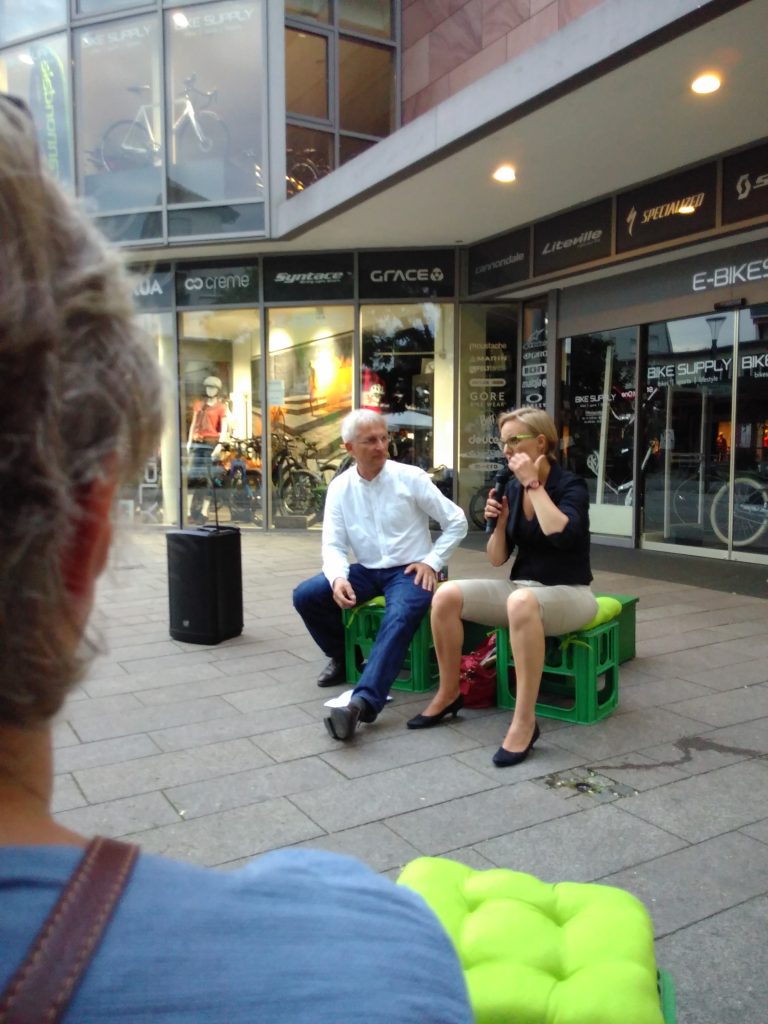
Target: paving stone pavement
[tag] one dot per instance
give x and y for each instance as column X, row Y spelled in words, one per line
column 216, row 754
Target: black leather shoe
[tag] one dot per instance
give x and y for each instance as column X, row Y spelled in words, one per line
column 506, row 758
column 427, row 721
column 342, row 722
column 335, row 672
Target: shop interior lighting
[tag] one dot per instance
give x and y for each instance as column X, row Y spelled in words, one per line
column 505, row 173
column 180, row 20
column 706, row 83
column 687, row 209
column 26, row 58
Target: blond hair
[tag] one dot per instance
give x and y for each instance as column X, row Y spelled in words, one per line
column 81, row 390
column 538, row 421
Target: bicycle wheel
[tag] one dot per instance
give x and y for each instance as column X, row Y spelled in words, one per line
column 126, row 145
column 750, row 512
column 305, row 173
column 477, row 507
column 299, row 492
column 686, row 503
column 212, row 142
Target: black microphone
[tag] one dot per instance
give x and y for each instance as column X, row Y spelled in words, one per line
column 503, row 477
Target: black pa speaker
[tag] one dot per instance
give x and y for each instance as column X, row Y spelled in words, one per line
column 205, row 584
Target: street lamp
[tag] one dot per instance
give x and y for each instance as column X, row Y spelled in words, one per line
column 715, row 323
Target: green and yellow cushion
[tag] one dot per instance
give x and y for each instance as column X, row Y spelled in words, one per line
column 537, row 953
column 607, row 608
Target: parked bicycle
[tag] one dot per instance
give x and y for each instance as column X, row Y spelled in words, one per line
column 130, row 144
column 703, row 496
column 305, row 167
column 625, row 490
column 301, row 489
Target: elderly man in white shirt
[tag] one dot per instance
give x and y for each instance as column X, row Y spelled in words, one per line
column 380, row 510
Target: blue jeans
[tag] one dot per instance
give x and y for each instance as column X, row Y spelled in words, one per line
column 406, row 606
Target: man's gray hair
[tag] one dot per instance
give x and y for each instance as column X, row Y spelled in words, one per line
column 83, row 403
column 357, row 420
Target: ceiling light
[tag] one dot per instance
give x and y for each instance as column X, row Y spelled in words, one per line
column 687, row 209
column 505, row 173
column 709, row 82
column 25, row 58
column 180, row 20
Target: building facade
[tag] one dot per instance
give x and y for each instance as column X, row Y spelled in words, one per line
column 304, row 190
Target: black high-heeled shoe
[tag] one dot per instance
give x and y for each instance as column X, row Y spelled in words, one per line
column 506, row 758
column 427, row 721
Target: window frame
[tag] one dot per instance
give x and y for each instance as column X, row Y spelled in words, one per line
column 334, row 33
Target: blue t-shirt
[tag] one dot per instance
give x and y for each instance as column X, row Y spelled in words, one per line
column 295, row 936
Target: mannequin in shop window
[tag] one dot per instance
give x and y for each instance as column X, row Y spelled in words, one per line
column 208, row 429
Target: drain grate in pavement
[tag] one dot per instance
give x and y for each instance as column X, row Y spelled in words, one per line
column 585, row 781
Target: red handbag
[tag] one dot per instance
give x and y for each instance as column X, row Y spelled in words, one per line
column 477, row 677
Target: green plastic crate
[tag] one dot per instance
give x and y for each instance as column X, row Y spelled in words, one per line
column 667, row 997
column 627, row 623
column 580, row 682
column 419, row 672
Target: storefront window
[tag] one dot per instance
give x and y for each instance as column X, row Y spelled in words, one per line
column 19, row 18
column 215, row 103
column 749, row 509
column 487, row 387
column 705, row 486
column 219, row 384
column 37, row 73
column 309, row 391
column 533, row 384
column 407, row 375
column 597, row 435
column 154, row 497
column 120, row 127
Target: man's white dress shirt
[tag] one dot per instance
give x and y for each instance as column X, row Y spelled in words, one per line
column 385, row 521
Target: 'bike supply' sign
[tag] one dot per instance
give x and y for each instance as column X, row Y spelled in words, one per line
column 318, row 278
column 217, row 286
column 572, row 238
column 745, row 185
column 665, row 210
column 422, row 274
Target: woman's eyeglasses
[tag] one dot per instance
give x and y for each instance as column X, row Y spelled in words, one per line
column 509, row 443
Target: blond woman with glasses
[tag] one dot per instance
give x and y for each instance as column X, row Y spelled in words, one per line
column 542, row 516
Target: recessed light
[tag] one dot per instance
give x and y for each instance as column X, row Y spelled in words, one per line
column 687, row 209
column 505, row 173
column 708, row 82
column 180, row 20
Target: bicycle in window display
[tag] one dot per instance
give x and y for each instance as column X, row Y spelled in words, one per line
column 130, row 144
column 300, row 489
column 305, row 166
column 702, row 497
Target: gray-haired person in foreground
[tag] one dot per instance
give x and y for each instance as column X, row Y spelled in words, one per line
column 297, row 935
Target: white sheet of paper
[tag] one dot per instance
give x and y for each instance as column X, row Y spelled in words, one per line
column 341, row 701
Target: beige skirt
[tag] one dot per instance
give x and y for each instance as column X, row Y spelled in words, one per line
column 564, row 608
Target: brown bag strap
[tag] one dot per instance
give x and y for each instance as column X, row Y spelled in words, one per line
column 40, row 990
